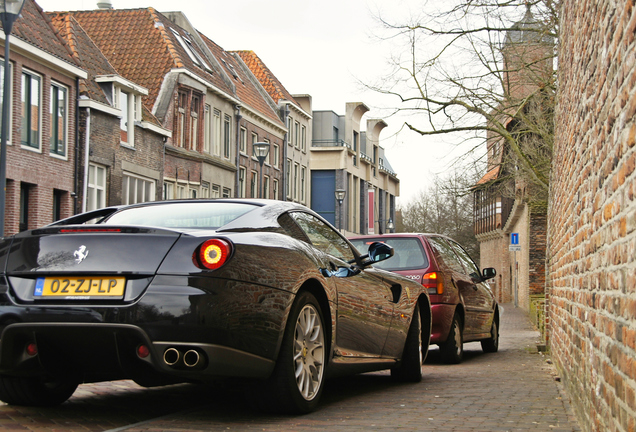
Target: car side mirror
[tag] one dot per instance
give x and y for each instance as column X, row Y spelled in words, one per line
column 379, row 251
column 488, row 273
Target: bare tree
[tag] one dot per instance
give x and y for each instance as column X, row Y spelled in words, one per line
column 445, row 207
column 483, row 68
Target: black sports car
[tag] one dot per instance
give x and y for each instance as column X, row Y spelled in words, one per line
column 179, row 291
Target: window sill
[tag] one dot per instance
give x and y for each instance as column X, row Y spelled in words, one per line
column 31, row 149
column 59, row 156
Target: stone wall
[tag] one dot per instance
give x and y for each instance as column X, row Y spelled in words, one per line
column 591, row 287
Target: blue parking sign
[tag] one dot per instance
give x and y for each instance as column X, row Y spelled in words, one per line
column 514, row 238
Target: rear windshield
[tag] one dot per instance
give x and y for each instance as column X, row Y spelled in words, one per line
column 409, row 253
column 203, row 215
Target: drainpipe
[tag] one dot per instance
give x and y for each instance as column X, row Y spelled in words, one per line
column 285, row 141
column 238, row 150
column 86, row 158
column 77, row 147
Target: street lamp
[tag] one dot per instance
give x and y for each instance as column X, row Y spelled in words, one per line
column 340, row 196
column 389, row 225
column 9, row 12
column 261, row 150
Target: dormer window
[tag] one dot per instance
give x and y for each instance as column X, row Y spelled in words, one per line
column 126, row 96
column 130, row 106
column 188, row 47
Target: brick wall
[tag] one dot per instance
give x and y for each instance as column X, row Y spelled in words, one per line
column 537, row 236
column 494, row 253
column 591, row 283
column 36, row 170
column 106, row 150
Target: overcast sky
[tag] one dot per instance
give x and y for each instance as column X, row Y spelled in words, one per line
column 320, row 48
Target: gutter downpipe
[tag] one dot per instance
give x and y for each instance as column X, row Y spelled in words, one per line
column 86, row 158
column 285, row 141
column 238, row 150
column 77, row 146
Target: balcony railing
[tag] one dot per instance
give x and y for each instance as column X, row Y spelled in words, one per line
column 388, row 171
column 330, row 143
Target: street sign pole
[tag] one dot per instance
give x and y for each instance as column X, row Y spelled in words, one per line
column 515, row 247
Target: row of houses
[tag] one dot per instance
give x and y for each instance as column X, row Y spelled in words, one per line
column 115, row 107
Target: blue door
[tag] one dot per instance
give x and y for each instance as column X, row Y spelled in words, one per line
column 323, row 201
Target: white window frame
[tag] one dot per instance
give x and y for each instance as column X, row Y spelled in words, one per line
column 243, row 140
column 10, row 134
column 96, row 193
column 195, row 107
column 303, row 138
column 295, row 184
column 267, row 159
column 276, row 153
column 217, row 131
column 254, row 141
column 216, row 191
column 205, row 189
column 40, row 79
column 149, row 186
column 266, row 181
column 254, row 185
column 64, row 153
column 288, row 168
column 207, row 128
column 128, row 114
column 181, row 191
column 242, row 180
column 303, row 184
column 168, row 190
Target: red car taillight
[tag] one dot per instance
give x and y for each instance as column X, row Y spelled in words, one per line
column 433, row 282
column 212, row 254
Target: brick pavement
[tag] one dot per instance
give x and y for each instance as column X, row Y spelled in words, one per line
column 512, row 390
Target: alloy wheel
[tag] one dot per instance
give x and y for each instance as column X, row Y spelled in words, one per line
column 309, row 352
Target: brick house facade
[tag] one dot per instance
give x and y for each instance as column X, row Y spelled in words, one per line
column 120, row 149
column 196, row 91
column 591, row 290
column 41, row 151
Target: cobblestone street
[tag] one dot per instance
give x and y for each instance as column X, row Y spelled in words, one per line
column 512, row 390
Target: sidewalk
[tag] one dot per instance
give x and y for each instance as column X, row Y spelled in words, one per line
column 512, row 390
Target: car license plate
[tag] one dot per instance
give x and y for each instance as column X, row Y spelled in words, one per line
column 80, row 288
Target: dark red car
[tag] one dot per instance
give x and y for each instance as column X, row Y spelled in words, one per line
column 464, row 308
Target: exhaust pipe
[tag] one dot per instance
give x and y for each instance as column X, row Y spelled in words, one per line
column 171, row 356
column 191, row 358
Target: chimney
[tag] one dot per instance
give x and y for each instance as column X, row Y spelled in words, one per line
column 104, row 4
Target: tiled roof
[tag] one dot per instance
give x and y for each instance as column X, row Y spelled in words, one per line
column 90, row 58
column 489, row 176
column 141, row 46
column 246, row 89
column 86, row 54
column 34, row 26
column 132, row 44
column 265, row 76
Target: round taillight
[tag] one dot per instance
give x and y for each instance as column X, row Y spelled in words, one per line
column 143, row 351
column 32, row 349
column 214, row 253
